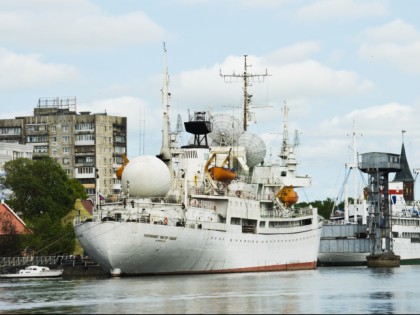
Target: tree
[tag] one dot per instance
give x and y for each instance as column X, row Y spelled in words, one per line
column 42, row 195
column 324, row 207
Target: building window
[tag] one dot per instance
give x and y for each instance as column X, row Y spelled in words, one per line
column 85, row 127
column 36, row 127
column 87, row 137
column 66, row 138
column 119, row 150
column 120, row 139
column 40, row 149
column 10, row 131
column 86, row 170
column 66, row 150
column 36, row 139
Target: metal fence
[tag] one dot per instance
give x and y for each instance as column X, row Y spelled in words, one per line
column 29, row 260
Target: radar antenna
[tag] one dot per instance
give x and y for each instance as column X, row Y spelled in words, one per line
column 247, row 97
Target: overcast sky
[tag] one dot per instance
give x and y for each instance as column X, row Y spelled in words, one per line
column 334, row 62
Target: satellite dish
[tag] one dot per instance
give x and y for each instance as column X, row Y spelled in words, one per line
column 254, row 147
column 226, row 129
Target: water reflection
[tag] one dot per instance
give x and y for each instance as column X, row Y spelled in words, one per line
column 382, row 302
column 326, row 290
column 383, row 272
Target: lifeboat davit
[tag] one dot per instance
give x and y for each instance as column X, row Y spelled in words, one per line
column 287, row 195
column 120, row 170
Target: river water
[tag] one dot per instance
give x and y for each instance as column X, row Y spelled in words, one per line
column 327, row 290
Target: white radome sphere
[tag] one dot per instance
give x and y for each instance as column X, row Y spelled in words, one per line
column 147, row 175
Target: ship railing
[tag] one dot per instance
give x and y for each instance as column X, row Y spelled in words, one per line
column 28, row 260
column 206, row 191
column 223, row 192
column 214, row 226
column 295, row 213
column 265, row 197
column 207, row 204
column 304, row 210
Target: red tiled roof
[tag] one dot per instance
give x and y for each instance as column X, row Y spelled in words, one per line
column 7, row 214
column 88, row 205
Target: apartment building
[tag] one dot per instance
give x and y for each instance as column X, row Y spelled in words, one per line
column 12, row 150
column 88, row 146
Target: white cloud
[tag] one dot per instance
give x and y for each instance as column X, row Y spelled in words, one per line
column 292, row 53
column 43, row 5
column 70, row 27
column 311, row 78
column 322, row 10
column 242, row 3
column 27, row 70
column 126, row 106
column 396, row 43
column 396, row 31
column 302, row 78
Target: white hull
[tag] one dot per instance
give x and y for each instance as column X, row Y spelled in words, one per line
column 15, row 275
column 406, row 243
column 140, row 249
column 408, row 251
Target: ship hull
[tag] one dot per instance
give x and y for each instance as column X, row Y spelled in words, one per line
column 341, row 259
column 406, row 240
column 131, row 248
column 340, row 247
column 344, row 245
column 409, row 254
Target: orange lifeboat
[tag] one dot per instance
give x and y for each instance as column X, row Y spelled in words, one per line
column 120, row 170
column 287, row 195
column 222, row 174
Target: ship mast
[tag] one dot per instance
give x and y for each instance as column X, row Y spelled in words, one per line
column 247, row 97
column 352, row 166
column 165, row 152
column 285, row 148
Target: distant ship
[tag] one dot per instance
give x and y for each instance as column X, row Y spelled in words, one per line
column 345, row 236
column 405, row 215
column 346, row 239
column 211, row 206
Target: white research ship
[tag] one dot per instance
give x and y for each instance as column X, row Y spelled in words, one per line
column 206, row 207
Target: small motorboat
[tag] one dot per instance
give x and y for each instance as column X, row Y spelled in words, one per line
column 34, row 272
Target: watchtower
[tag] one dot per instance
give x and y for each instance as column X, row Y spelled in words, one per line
column 378, row 165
